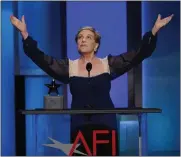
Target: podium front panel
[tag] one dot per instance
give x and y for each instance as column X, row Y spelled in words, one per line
column 47, row 127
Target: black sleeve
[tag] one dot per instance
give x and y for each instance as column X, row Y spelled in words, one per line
column 58, row 69
column 122, row 63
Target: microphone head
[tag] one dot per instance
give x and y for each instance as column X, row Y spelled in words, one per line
column 89, row 67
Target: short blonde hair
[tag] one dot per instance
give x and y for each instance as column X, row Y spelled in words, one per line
column 97, row 36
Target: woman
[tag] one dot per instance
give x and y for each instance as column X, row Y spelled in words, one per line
column 90, row 92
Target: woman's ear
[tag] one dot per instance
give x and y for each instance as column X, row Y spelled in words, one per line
column 95, row 49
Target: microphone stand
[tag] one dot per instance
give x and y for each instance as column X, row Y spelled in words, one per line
column 89, row 68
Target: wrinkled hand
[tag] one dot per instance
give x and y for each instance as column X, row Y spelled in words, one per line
column 20, row 25
column 161, row 23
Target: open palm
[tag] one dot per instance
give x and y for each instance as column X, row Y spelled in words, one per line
column 20, row 25
column 162, row 22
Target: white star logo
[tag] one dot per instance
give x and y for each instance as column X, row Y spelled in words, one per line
column 63, row 147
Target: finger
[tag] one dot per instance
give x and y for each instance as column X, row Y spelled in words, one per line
column 159, row 17
column 23, row 19
column 12, row 17
column 168, row 19
column 172, row 15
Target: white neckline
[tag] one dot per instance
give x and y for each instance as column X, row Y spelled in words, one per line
column 73, row 68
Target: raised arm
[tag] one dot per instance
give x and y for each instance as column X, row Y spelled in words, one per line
column 122, row 63
column 58, row 69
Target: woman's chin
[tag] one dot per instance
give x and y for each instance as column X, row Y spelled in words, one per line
column 85, row 52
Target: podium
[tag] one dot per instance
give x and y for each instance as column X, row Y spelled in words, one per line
column 46, row 118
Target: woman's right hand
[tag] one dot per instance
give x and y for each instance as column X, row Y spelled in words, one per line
column 20, row 25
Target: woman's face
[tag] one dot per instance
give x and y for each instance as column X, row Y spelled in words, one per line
column 86, row 42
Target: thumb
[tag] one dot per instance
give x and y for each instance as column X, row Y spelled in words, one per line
column 23, row 19
column 159, row 17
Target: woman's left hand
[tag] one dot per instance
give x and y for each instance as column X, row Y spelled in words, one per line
column 161, row 23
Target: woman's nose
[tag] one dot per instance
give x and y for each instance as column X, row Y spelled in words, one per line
column 83, row 39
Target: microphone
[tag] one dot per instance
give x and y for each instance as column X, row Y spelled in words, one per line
column 89, row 68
